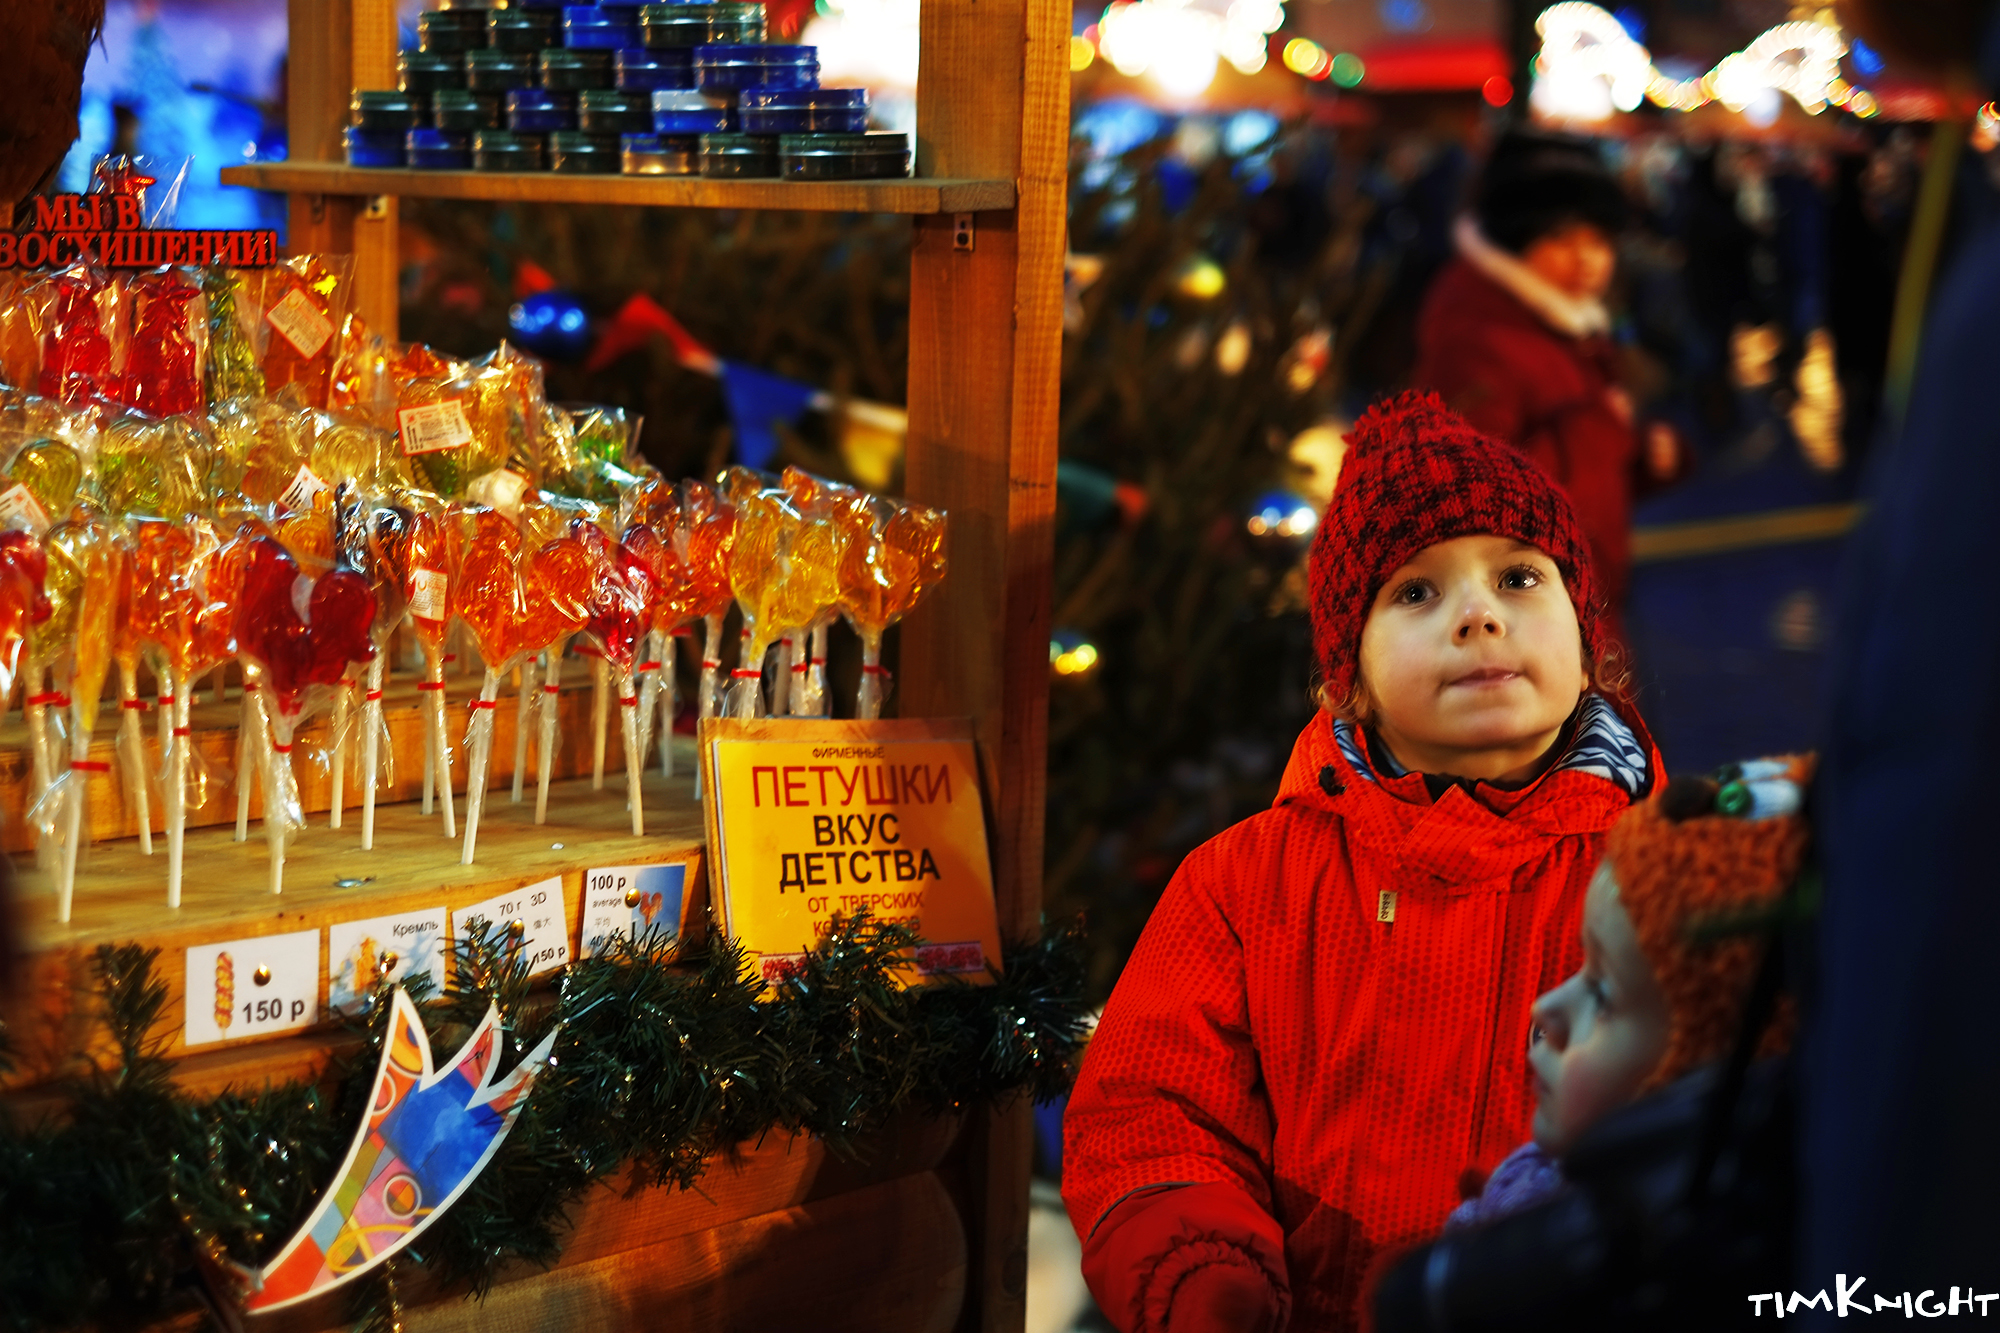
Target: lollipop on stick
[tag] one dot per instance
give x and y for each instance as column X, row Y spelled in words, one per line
column 810, row 589
column 665, row 612
column 125, row 648
column 83, row 548
column 703, row 541
column 557, row 586
column 295, row 652
column 422, row 551
column 893, row 555
column 758, row 565
column 490, row 602
column 373, row 541
column 621, row 587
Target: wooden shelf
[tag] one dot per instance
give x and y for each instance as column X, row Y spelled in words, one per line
column 121, row 894
column 877, row 196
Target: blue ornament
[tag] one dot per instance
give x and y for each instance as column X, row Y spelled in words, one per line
column 552, row 325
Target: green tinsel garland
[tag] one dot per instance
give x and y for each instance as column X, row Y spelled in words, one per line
column 664, row 1057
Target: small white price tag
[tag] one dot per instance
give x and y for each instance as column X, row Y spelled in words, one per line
column 358, row 952
column 544, row 918
column 19, row 507
column 434, row 426
column 305, row 488
column 428, row 592
column 252, row 988
column 631, row 900
column 301, row 323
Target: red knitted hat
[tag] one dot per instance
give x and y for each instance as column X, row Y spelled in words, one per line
column 1417, row 474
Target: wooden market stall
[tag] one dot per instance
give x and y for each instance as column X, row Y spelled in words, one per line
column 930, row 1232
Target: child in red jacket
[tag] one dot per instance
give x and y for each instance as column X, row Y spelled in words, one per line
column 1323, row 1030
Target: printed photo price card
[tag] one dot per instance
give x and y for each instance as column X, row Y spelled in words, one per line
column 251, row 987
column 632, row 900
column 391, row 947
column 537, row 914
column 810, row 820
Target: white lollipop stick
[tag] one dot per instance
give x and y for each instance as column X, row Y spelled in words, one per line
column 868, row 699
column 253, row 743
column 437, row 746
column 781, row 689
column 521, row 708
column 480, row 735
column 278, row 792
column 174, row 704
column 132, row 740
column 72, row 834
column 371, row 743
column 600, row 702
column 342, row 706
column 648, row 675
column 669, row 699
column 545, row 748
column 628, row 717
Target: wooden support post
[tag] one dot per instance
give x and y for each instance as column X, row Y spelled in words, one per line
column 338, row 46
column 985, row 369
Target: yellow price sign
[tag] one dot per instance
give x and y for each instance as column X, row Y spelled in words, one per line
column 811, row 820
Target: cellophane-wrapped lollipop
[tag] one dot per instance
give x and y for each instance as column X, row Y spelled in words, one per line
column 230, row 570
column 77, row 305
column 183, row 608
column 653, row 544
column 20, row 332
column 557, row 586
column 371, row 534
column 260, row 445
column 126, row 647
column 621, row 591
column 83, row 578
column 296, row 652
column 489, row 597
column 759, row 564
column 421, row 546
column 350, row 455
column 167, row 348
column 809, row 597
column 893, row 555
column 438, row 403
column 24, row 600
column 704, row 540
column 594, row 456
column 304, row 300
column 237, row 334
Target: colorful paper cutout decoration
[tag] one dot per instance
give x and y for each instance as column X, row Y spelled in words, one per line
column 426, row 1137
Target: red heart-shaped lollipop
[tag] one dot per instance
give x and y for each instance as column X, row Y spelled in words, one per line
column 302, row 631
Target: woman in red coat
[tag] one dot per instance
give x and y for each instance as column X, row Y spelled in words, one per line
column 1514, row 333
column 1320, row 1043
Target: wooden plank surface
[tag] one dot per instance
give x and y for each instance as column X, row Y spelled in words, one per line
column 921, row 195
column 120, row 895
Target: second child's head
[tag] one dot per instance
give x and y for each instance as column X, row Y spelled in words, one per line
column 1454, row 606
column 1654, row 999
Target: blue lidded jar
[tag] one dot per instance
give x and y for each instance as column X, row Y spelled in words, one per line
column 557, row 5
column 501, row 71
column 523, row 29
column 574, row 153
column 729, row 68
column 426, row 72
column 738, row 156
column 539, row 111
column 641, row 70
column 700, row 24
column 613, row 111
column 566, row 71
column 451, row 31
column 833, row 157
column 438, row 150
column 387, row 110
column 462, row 112
column 373, row 148
column 684, row 112
column 660, row 154
column 597, row 28
column 503, row 150
column 803, row 110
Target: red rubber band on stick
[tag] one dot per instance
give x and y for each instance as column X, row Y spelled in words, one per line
column 136, row 705
column 430, row 684
column 89, row 766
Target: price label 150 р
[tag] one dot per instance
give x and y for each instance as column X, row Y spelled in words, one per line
column 252, row 988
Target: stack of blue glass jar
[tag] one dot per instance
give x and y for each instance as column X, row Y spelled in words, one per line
column 684, row 88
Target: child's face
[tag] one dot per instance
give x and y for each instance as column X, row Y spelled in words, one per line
column 1472, row 658
column 1599, row 1034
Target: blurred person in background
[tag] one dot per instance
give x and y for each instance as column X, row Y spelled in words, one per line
column 1902, row 1070
column 1516, row 336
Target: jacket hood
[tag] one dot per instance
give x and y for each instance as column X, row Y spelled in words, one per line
column 1474, row 832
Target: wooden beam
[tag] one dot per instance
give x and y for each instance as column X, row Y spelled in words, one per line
column 908, row 195
column 985, row 361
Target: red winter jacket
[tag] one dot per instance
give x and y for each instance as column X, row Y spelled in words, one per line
column 1319, row 1073
column 1503, row 368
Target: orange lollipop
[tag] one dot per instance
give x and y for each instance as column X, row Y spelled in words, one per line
column 758, row 566
column 883, row 572
column 703, row 541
